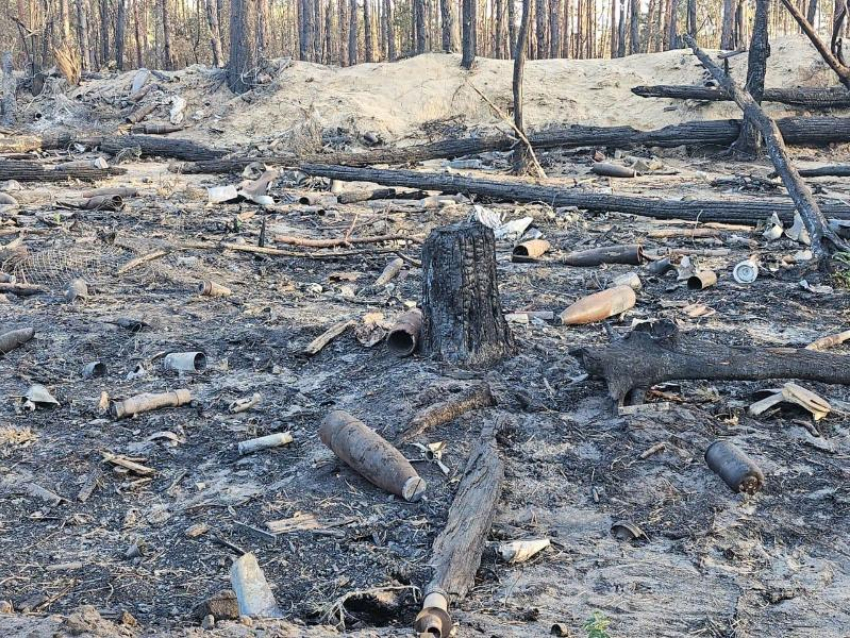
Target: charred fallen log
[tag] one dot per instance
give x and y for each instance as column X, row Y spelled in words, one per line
column 658, row 352
column 149, row 146
column 733, row 211
column 32, row 172
column 834, row 97
column 813, row 131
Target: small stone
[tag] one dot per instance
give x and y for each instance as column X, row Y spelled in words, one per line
column 208, row 622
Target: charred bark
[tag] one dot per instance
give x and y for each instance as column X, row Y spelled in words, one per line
column 215, row 35
column 8, row 105
column 463, row 321
column 241, row 59
column 835, row 97
column 734, row 211
column 748, row 141
column 841, row 70
column 521, row 155
column 31, row 172
column 470, row 36
column 658, row 352
column 448, row 31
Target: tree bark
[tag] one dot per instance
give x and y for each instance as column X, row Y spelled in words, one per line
column 390, row 19
column 463, row 322
column 521, row 155
column 541, row 15
column 167, row 61
column 749, row 141
column 120, row 33
column 306, row 30
column 728, row 24
column 369, row 50
column 634, row 18
column 104, row 32
column 512, row 28
column 672, row 37
column 692, row 18
column 423, row 34
column 86, row 49
column 804, row 97
column 215, row 35
column 241, row 59
column 470, row 38
column 613, row 28
column 352, row 33
column 621, row 31
column 813, row 218
column 842, row 71
column 812, row 11
column 261, row 29
column 740, row 210
column 33, row 172
column 9, row 104
column 659, row 352
column 447, row 16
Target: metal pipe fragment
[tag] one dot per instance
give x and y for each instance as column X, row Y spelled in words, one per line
column 370, row 455
column 147, row 402
column 209, row 288
column 403, row 337
column 94, row 370
column 702, row 279
column 529, row 250
column 76, row 289
column 11, row 340
column 736, row 469
column 599, row 306
column 434, row 619
column 390, row 272
column 277, row 439
column 185, row 361
column 631, row 254
column 612, row 170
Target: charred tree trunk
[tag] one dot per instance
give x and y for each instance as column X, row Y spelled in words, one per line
column 463, row 321
column 812, row 11
column 555, row 39
column 86, row 50
column 261, row 28
column 692, row 18
column 368, row 45
column 167, row 60
column 728, row 23
column 541, row 14
column 804, row 97
column 448, row 30
column 841, row 70
column 215, row 35
column 390, row 20
column 420, row 18
column 749, row 140
column 672, row 37
column 241, row 59
column 499, row 48
column 613, row 29
column 104, row 32
column 120, row 33
column 634, row 18
column 521, row 155
column 470, row 37
column 137, row 29
column 658, row 353
column 512, row 28
column 32, row 172
column 808, row 208
column 306, row 29
column 352, row 33
column 8, row 106
column 621, row 31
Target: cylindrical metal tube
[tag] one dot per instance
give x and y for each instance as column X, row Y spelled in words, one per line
column 736, row 469
column 370, row 455
column 702, row 279
column 612, row 170
column 626, row 254
column 265, row 442
column 93, row 370
column 209, row 288
column 14, row 338
column 76, row 289
column 146, row 402
column 746, row 272
column 185, row 361
column 403, row 337
column 599, row 306
column 390, row 271
column 530, row 250
column 434, row 619
column 661, row 267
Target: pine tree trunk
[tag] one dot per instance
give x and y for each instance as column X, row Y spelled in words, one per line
column 812, row 11
column 8, row 104
column 470, row 38
column 621, row 31
column 521, row 156
column 728, row 24
column 500, row 29
column 634, row 18
column 555, row 39
column 137, row 28
column 448, row 31
column 241, row 59
column 613, row 28
column 672, row 26
column 512, row 28
column 749, row 140
column 167, row 62
column 343, row 32
column 215, row 36
column 542, row 13
column 120, row 29
column 104, row 32
column 352, row 33
column 261, row 34
column 390, row 18
column 692, row 18
column 367, row 31
column 463, row 323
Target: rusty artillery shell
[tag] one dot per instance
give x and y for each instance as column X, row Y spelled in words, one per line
column 209, row 288
column 104, row 202
column 185, row 361
column 434, row 619
column 702, row 279
column 736, row 469
column 403, row 337
column 146, row 402
column 600, row 306
column 631, row 254
column 530, row 250
column 370, row 455
column 390, row 272
column 612, row 170
column 11, row 340
column 120, row 191
column 77, row 289
column 661, row 267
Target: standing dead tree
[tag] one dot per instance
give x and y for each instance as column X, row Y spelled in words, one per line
column 240, row 48
column 813, row 218
column 8, row 103
column 748, row 141
column 841, row 70
column 470, row 36
column 521, row 153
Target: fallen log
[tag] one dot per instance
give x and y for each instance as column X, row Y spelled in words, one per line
column 176, row 148
column 812, row 131
column 32, row 172
column 472, row 398
column 809, row 210
column 733, row 211
column 833, row 170
column 658, row 352
column 457, row 551
column 833, row 97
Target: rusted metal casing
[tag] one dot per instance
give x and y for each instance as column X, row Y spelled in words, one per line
column 599, row 306
column 736, row 469
column 403, row 337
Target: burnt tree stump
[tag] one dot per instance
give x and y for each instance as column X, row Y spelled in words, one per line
column 463, row 321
